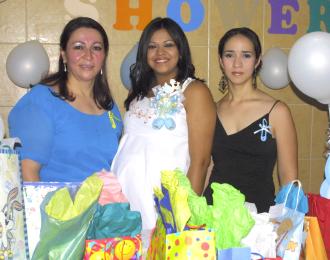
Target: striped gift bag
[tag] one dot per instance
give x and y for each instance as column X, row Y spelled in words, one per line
column 13, row 242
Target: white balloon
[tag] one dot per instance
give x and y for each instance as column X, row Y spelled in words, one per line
column 327, row 169
column 274, row 71
column 2, row 129
column 27, row 64
column 325, row 101
column 125, row 67
column 309, row 65
column 325, row 189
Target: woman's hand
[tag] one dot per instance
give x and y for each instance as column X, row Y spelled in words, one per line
column 30, row 170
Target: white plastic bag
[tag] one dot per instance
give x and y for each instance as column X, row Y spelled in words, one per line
column 262, row 237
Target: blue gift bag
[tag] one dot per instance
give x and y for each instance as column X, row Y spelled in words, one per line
column 295, row 205
column 237, row 253
column 293, row 196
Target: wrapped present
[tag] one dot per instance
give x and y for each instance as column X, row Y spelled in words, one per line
column 118, row 248
column 12, row 236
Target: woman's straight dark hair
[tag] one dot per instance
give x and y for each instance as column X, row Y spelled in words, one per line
column 246, row 32
column 101, row 90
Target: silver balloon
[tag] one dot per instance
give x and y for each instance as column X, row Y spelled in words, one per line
column 27, row 64
column 309, row 63
column 274, row 72
column 125, row 67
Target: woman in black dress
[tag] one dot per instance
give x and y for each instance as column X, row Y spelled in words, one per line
column 253, row 129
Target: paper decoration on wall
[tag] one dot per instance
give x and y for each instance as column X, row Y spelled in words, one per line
column 197, row 13
column 78, row 8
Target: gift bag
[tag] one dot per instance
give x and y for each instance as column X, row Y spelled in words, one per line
column 242, row 253
column 12, row 236
column 320, row 207
column 65, row 221
column 314, row 247
column 257, row 256
column 290, row 241
column 119, row 248
column 189, row 244
column 34, row 193
column 237, row 253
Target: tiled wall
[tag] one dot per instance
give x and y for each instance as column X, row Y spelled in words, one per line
column 23, row 20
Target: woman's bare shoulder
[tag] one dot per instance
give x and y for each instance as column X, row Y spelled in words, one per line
column 197, row 88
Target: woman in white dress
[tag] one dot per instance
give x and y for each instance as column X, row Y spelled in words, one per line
column 169, row 122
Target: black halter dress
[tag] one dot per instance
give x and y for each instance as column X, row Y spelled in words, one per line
column 246, row 161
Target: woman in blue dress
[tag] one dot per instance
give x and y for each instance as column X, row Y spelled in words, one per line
column 69, row 124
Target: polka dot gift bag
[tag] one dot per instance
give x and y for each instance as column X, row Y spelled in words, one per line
column 173, row 238
column 188, row 244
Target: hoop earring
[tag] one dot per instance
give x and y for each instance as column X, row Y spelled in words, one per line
column 223, row 84
column 254, row 79
column 65, row 68
column 101, row 72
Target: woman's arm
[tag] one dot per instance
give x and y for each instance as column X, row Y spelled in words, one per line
column 33, row 126
column 30, row 170
column 286, row 142
column 201, row 116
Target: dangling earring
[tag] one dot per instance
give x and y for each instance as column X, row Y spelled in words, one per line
column 223, row 84
column 101, row 72
column 65, row 69
column 254, row 78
